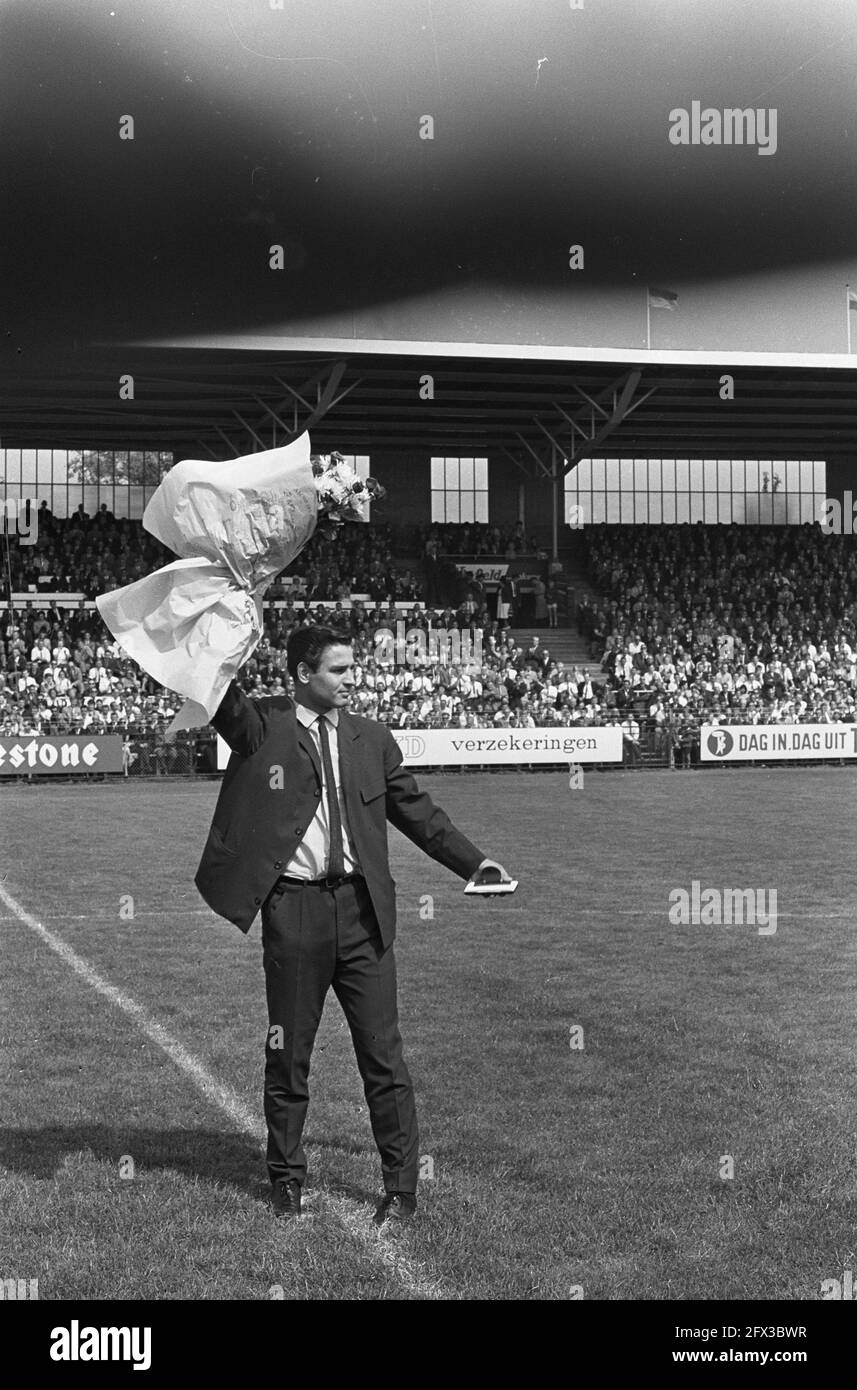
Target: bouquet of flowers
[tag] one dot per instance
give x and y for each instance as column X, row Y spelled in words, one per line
column 342, row 495
column 236, row 525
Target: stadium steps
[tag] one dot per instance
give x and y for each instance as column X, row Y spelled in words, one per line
column 580, row 586
column 565, row 644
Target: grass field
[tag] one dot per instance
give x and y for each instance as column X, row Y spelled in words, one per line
column 555, row 1167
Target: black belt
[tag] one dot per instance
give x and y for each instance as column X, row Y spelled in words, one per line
column 325, row 882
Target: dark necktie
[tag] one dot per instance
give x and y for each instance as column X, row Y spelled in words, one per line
column 336, row 860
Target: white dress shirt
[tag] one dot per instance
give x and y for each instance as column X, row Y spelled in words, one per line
column 310, row 859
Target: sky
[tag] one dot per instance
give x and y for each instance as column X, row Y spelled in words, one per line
column 300, row 127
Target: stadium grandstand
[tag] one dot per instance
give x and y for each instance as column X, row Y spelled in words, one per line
column 656, row 593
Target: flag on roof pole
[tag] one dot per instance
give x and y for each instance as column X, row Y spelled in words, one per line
column 657, row 299
column 850, row 303
column 662, row 299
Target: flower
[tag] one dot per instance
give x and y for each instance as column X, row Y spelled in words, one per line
column 342, row 495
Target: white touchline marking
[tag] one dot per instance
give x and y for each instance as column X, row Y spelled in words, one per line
column 375, row 1243
column 113, row 917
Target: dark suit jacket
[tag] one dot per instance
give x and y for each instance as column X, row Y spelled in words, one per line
column 270, row 793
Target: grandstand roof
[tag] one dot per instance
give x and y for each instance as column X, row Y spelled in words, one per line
column 358, row 396
column 426, row 173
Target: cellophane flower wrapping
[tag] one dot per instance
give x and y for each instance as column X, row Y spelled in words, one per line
column 236, row 525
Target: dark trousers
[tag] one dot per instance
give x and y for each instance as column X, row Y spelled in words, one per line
column 313, row 938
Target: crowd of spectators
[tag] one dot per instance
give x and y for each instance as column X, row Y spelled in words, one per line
column 690, row 624
column 84, row 554
column 475, row 538
column 91, row 554
column 730, row 625
column 61, row 672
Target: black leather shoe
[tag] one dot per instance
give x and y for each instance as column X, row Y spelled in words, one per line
column 395, row 1206
column 287, row 1197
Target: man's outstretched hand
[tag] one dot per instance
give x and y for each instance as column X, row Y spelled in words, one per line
column 490, row 864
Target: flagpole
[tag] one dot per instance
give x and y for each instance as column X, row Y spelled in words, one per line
column 848, row 315
column 649, row 320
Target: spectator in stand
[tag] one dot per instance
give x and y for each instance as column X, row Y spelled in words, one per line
column 540, row 611
column 505, row 602
column 551, row 602
column 431, row 552
column 630, row 741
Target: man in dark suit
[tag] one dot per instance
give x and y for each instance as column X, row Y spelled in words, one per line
column 300, row 831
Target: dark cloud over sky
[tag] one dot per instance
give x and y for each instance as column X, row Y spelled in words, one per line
column 299, row 127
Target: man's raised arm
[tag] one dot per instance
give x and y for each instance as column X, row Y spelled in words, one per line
column 239, row 721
